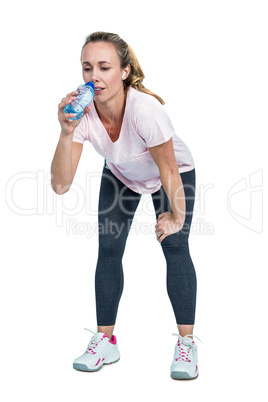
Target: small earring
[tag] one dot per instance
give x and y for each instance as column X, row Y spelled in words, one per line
column 123, row 75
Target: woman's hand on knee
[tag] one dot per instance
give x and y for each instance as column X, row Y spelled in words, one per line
column 166, row 225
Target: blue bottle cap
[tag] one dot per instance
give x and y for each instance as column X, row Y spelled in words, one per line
column 89, row 83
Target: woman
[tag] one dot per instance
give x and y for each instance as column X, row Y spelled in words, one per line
column 127, row 124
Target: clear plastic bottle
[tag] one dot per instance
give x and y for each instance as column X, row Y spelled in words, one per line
column 84, row 97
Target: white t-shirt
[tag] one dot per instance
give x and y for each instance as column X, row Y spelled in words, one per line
column 145, row 124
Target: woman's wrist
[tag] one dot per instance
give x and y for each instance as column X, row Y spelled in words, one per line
column 66, row 135
column 178, row 219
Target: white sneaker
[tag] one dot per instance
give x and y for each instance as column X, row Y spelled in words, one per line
column 185, row 364
column 100, row 350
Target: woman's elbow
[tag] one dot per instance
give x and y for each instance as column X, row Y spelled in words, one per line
column 59, row 189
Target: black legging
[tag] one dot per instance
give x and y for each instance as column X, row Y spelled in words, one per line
column 117, row 206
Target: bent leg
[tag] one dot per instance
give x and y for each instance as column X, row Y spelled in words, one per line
column 181, row 276
column 117, row 206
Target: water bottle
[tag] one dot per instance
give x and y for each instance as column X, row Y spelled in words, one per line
column 84, row 97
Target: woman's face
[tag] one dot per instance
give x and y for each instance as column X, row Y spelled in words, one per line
column 101, row 65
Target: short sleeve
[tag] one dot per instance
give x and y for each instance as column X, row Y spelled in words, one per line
column 81, row 132
column 154, row 125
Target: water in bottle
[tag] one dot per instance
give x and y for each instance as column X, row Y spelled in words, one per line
column 84, row 97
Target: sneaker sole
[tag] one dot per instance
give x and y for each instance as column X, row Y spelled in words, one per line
column 181, row 375
column 83, row 367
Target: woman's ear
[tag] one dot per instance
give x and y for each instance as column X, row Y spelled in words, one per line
column 127, row 71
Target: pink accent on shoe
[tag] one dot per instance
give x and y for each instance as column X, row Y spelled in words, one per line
column 97, row 362
column 91, row 350
column 196, row 368
column 103, row 359
column 113, row 340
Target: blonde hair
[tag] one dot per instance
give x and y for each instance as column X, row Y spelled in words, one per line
column 127, row 56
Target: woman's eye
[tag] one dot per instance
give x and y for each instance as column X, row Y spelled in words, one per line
column 90, row 69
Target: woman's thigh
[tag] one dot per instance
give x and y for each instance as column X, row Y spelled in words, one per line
column 116, row 208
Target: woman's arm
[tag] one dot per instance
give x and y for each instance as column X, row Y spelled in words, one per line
column 64, row 164
column 68, row 153
column 164, row 157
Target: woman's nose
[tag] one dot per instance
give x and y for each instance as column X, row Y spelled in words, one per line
column 94, row 75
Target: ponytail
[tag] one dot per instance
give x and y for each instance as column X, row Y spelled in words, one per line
column 136, row 76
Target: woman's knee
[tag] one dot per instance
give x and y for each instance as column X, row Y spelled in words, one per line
column 176, row 243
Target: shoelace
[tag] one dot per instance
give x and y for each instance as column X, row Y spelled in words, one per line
column 185, row 343
column 93, row 343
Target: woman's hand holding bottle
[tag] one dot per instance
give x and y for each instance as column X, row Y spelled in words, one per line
column 68, row 126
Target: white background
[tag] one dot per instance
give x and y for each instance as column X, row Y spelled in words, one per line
column 208, row 61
